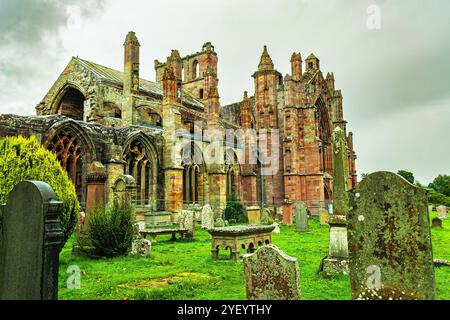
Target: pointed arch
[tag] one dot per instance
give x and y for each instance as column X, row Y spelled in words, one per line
column 74, row 149
column 142, row 163
column 194, row 174
column 69, row 101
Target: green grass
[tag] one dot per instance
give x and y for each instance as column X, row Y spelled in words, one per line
column 196, row 276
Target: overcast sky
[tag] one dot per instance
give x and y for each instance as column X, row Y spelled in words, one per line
column 395, row 80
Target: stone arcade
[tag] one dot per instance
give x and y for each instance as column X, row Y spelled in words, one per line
column 103, row 124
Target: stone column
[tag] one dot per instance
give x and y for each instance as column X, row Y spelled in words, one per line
column 337, row 260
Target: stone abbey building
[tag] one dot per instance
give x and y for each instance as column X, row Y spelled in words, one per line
column 103, row 123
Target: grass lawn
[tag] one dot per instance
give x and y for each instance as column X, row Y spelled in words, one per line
column 188, row 266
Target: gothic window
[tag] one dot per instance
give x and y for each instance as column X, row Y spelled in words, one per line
column 67, row 147
column 196, row 70
column 140, row 166
column 201, row 94
column 192, row 162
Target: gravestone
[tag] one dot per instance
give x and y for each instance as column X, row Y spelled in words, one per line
column 187, row 221
column 30, row 244
column 124, row 189
column 436, row 223
column 219, row 223
column 389, row 240
column 270, row 274
column 207, row 217
column 442, row 212
column 337, row 260
column 324, row 217
column 277, row 229
column 301, row 217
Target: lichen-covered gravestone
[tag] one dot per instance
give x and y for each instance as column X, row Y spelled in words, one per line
column 301, row 217
column 30, row 243
column 270, row 274
column 389, row 240
column 324, row 217
column 207, row 217
column 187, row 221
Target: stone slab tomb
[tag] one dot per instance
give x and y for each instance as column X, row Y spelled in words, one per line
column 389, row 240
column 30, row 242
column 270, row 274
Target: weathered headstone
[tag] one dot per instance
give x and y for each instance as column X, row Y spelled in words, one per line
column 30, row 244
column 389, row 240
column 337, row 260
column 277, row 229
column 187, row 221
column 270, row 274
column 442, row 212
column 207, row 217
column 124, row 189
column 267, row 217
column 436, row 223
column 219, row 223
column 301, row 217
column 324, row 217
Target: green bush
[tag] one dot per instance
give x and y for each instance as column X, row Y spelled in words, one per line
column 25, row 159
column 437, row 198
column 111, row 229
column 441, row 184
column 235, row 210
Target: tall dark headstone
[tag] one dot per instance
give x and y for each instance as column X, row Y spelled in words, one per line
column 391, row 256
column 30, row 244
column 337, row 260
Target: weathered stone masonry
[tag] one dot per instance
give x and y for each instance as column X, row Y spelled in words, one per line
column 103, row 123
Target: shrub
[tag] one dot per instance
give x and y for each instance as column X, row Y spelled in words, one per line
column 24, row 159
column 111, row 229
column 437, row 198
column 235, row 210
column 441, row 184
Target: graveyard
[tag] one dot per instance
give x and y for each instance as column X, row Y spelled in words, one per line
column 277, row 161
column 185, row 270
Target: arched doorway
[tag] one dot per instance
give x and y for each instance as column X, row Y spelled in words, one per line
column 72, row 104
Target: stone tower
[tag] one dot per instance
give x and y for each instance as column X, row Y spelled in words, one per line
column 131, row 76
column 267, row 83
column 196, row 72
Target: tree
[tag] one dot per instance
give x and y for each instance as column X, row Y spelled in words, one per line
column 24, row 159
column 407, row 175
column 441, row 184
